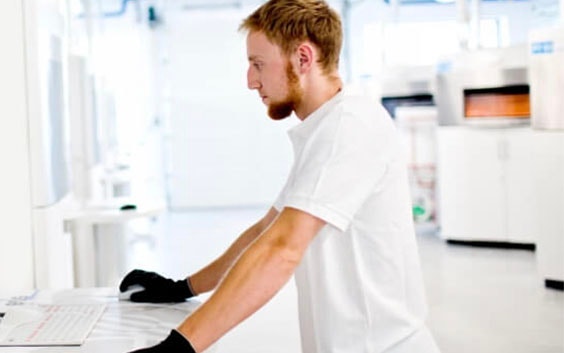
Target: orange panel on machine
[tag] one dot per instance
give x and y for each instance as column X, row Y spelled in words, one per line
column 489, row 105
column 498, row 102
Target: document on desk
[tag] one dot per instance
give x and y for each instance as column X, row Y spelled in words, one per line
column 33, row 324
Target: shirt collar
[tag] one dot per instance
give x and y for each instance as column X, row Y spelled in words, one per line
column 304, row 127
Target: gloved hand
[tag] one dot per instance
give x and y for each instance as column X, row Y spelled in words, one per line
column 158, row 289
column 174, row 343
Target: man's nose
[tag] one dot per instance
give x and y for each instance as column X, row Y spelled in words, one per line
column 252, row 80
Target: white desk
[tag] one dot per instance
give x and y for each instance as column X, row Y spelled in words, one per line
column 123, row 327
column 98, row 233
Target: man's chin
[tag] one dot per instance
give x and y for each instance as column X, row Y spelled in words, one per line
column 280, row 111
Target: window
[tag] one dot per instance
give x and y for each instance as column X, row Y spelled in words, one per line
column 423, row 43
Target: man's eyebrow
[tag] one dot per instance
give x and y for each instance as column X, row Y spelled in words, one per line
column 254, row 57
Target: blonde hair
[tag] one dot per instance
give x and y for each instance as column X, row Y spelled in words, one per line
column 287, row 23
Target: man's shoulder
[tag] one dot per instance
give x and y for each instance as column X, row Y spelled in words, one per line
column 364, row 109
column 351, row 111
column 360, row 103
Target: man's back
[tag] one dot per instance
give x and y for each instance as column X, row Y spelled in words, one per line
column 359, row 283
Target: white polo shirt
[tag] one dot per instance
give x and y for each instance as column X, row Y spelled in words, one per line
column 359, row 284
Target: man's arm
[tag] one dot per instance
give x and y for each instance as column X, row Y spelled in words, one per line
column 159, row 289
column 261, row 270
column 208, row 277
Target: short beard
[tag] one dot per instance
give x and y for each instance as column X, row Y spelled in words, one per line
column 283, row 109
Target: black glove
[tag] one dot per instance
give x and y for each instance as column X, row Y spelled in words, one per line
column 158, row 289
column 174, row 343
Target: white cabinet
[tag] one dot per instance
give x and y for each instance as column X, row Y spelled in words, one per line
column 546, row 74
column 485, row 185
column 519, row 186
column 549, row 205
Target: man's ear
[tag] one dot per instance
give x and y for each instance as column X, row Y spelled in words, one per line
column 306, row 57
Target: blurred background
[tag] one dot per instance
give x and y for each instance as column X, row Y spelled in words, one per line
column 129, row 139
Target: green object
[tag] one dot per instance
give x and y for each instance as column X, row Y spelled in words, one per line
column 418, row 210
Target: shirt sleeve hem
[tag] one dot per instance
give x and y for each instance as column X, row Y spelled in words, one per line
column 331, row 216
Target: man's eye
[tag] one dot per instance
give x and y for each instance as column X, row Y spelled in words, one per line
column 257, row 66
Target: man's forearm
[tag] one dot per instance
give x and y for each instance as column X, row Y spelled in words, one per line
column 208, row 277
column 257, row 275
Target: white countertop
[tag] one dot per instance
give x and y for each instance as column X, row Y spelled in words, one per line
column 123, row 327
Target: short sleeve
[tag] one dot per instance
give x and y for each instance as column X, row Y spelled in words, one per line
column 338, row 167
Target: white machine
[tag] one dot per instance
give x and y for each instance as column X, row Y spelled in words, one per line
column 546, row 55
column 485, row 155
column 16, row 243
column 48, row 145
column 417, row 126
column 406, row 95
column 37, row 188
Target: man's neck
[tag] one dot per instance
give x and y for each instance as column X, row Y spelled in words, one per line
column 316, row 93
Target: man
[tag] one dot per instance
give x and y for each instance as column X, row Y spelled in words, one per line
column 342, row 222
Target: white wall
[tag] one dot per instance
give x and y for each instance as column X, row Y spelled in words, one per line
column 224, row 150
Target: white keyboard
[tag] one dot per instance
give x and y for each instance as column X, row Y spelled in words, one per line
column 48, row 325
